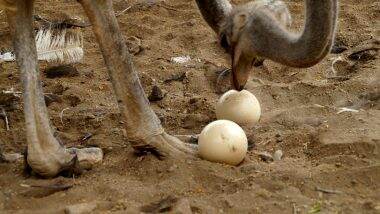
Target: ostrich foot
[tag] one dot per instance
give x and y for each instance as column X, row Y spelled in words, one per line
column 167, row 146
column 50, row 163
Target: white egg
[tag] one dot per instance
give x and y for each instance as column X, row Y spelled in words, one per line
column 242, row 107
column 223, row 141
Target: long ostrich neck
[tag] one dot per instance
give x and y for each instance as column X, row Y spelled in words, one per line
column 318, row 25
column 304, row 50
column 214, row 11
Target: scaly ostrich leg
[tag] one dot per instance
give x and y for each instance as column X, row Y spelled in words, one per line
column 45, row 155
column 141, row 123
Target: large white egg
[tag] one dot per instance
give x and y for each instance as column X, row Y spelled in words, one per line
column 242, row 107
column 223, row 141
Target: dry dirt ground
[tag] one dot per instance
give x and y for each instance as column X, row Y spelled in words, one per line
column 330, row 163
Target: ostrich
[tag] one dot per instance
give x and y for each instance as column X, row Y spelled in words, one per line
column 253, row 31
column 247, row 32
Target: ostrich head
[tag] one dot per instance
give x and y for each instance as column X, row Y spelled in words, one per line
column 259, row 29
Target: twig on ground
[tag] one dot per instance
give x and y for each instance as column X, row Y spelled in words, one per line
column 123, row 11
column 178, row 77
column 12, row 91
column 329, row 191
column 61, row 115
column 333, row 63
column 345, row 109
column 4, row 114
column 258, row 80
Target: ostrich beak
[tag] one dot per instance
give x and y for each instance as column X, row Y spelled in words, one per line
column 241, row 66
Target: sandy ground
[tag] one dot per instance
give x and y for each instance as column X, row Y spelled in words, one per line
column 330, row 163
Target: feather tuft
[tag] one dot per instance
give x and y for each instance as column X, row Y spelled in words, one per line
column 59, row 45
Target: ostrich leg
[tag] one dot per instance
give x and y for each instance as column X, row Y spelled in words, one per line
column 45, row 156
column 141, row 123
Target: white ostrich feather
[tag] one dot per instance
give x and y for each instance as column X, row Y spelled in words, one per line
column 62, row 46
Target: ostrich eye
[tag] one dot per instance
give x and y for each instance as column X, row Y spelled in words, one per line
column 224, row 42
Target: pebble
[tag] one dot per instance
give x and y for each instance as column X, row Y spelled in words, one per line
column 182, row 207
column 81, row 208
column 172, row 168
column 134, row 45
column 265, row 156
column 52, row 98
column 156, row 94
column 229, row 203
column 277, row 156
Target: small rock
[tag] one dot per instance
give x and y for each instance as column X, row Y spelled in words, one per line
column 81, row 208
column 162, row 205
column 88, row 157
column 12, row 157
column 61, row 71
column 229, row 203
column 52, row 98
column 265, row 156
column 172, row 168
column 177, row 77
column 134, row 45
column 277, row 156
column 182, row 207
column 156, row 94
